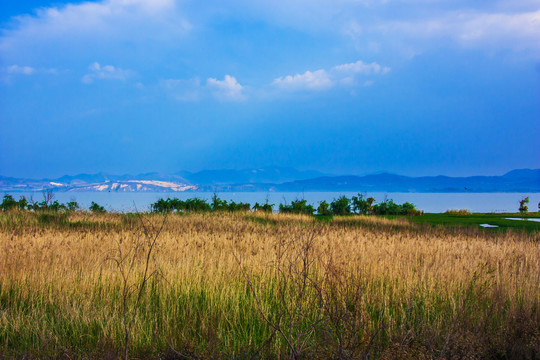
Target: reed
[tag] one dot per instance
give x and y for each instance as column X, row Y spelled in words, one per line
column 375, row 287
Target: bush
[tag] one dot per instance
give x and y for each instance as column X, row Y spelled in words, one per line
column 73, row 205
column 297, row 207
column 22, row 204
column 361, row 205
column 457, row 212
column 218, row 204
column 324, row 208
column 97, row 209
column 389, row 207
column 233, row 206
column 197, row 205
column 8, row 203
column 201, row 205
column 341, row 206
column 523, row 208
column 56, row 206
column 162, row 206
column 266, row 207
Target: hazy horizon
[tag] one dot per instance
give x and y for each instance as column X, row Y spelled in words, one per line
column 259, row 168
column 356, row 87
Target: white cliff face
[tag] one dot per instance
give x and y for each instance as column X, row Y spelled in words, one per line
column 172, row 186
column 136, row 185
column 116, row 186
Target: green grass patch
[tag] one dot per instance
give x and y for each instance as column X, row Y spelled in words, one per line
column 476, row 219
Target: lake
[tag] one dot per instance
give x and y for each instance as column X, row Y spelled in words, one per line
column 429, row 202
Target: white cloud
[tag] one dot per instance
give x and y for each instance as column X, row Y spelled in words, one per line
column 226, row 89
column 515, row 31
column 16, row 69
column 522, row 26
column 343, row 75
column 190, row 90
column 316, row 80
column 94, row 25
column 99, row 72
column 361, row 67
column 399, row 25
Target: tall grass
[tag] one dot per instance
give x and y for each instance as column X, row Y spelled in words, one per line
column 376, row 288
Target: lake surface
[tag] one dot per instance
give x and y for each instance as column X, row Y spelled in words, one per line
column 429, row 202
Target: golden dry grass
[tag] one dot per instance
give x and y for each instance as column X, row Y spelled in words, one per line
column 60, row 290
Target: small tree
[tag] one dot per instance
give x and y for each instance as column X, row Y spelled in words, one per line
column 297, row 207
column 8, row 203
column 48, row 197
column 97, row 209
column 324, row 208
column 361, row 205
column 523, row 208
column 22, row 203
column 266, row 207
column 56, row 206
column 341, row 206
column 302, row 207
column 218, row 204
column 72, row 205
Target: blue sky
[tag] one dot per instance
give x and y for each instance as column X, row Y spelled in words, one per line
column 415, row 87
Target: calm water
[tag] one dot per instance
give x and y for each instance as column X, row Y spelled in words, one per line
column 429, row 202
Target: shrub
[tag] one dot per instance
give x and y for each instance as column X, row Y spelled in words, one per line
column 266, row 207
column 297, row 207
column 73, row 205
column 361, row 205
column 233, row 206
column 56, row 206
column 457, row 212
column 523, row 208
column 218, row 204
column 197, row 205
column 389, row 207
column 324, row 208
column 8, row 203
column 97, row 209
column 162, row 206
column 341, row 206
column 169, row 205
column 410, row 209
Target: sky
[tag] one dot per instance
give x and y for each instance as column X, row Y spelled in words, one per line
column 415, row 87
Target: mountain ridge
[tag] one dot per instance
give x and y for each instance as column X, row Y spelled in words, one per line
column 277, row 179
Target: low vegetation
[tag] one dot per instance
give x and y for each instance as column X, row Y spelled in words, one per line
column 357, row 205
column 254, row 285
column 457, row 212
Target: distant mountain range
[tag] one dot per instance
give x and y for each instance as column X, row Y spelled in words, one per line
column 272, row 175
column 277, row 179
column 513, row 181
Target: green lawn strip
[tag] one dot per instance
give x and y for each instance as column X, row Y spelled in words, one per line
column 475, row 219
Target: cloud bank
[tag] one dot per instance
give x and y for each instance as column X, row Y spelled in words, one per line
column 107, row 72
column 226, row 89
column 343, row 75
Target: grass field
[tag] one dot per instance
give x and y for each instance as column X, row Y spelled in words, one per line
column 248, row 285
